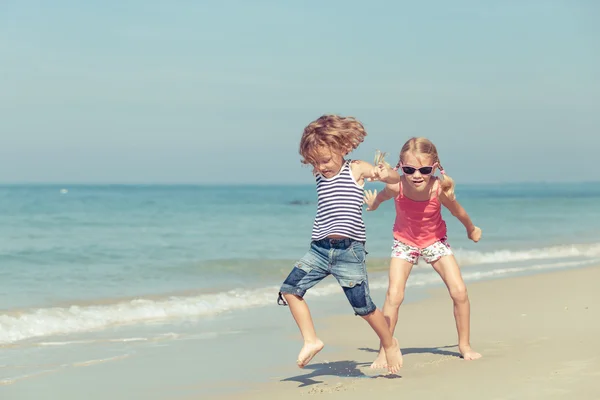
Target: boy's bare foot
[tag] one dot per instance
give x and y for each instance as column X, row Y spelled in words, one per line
column 309, row 350
column 380, row 362
column 468, row 353
column 393, row 357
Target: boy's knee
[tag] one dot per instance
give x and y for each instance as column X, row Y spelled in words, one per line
column 295, row 284
column 285, row 299
column 366, row 315
column 288, row 292
column 359, row 298
column 292, row 296
column 365, row 312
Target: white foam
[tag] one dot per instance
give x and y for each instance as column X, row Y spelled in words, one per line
column 76, row 319
column 65, row 343
column 467, row 257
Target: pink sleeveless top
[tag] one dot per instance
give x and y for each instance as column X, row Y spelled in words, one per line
column 419, row 223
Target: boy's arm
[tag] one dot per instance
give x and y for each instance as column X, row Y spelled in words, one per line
column 381, row 172
column 473, row 232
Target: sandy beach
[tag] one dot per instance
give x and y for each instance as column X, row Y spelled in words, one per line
column 537, row 334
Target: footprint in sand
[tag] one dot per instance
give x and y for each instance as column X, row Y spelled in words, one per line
column 326, row 388
column 435, row 362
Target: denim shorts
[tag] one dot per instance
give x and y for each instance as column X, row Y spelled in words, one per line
column 342, row 258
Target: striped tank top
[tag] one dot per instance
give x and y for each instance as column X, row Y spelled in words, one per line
column 339, row 207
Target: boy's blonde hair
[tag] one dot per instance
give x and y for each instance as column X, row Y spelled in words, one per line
column 423, row 146
column 340, row 134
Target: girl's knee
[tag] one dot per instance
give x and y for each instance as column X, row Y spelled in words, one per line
column 395, row 297
column 459, row 294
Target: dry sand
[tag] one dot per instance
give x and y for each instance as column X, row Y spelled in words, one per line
column 538, row 336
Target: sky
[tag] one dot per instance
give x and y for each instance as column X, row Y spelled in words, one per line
column 134, row 91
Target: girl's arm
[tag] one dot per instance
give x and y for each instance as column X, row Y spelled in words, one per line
column 374, row 199
column 473, row 232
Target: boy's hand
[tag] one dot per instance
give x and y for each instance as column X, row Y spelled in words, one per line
column 475, row 234
column 379, row 173
column 382, row 172
column 370, row 200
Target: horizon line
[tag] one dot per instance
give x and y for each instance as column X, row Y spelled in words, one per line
column 115, row 183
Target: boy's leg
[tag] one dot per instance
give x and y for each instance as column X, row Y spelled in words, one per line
column 389, row 344
column 449, row 271
column 301, row 313
column 399, row 271
column 350, row 271
column 306, row 273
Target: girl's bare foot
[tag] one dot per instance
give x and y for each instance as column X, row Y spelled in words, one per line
column 380, row 362
column 309, row 350
column 393, row 357
column 468, row 353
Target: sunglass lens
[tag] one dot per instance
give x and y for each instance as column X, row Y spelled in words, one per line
column 425, row 170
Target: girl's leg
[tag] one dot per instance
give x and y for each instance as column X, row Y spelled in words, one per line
column 398, row 275
column 450, row 274
column 301, row 314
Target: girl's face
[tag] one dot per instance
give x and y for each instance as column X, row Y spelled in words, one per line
column 328, row 162
column 417, row 169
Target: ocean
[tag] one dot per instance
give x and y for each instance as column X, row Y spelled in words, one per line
column 95, row 273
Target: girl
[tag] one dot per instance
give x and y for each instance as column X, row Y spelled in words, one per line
column 420, row 231
column 338, row 238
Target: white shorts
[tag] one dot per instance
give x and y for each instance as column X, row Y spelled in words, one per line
column 430, row 254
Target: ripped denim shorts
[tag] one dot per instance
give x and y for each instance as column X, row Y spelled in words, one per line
column 342, row 258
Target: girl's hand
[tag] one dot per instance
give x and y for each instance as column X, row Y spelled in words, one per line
column 370, row 200
column 475, row 234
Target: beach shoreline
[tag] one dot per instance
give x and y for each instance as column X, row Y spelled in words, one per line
column 537, row 335
column 536, row 332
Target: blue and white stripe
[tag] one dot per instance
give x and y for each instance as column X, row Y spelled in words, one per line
column 340, row 206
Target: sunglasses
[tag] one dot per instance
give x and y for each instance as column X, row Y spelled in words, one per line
column 408, row 170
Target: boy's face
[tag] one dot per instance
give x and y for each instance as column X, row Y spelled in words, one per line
column 328, row 162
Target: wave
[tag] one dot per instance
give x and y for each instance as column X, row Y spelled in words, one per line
column 75, row 319
column 467, row 257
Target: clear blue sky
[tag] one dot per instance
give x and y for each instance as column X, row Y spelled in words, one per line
column 219, row 91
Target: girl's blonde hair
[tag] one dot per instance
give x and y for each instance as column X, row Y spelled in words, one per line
column 340, row 134
column 422, row 146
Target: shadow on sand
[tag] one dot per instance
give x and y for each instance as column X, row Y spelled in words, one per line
column 422, row 350
column 351, row 369
column 342, row 369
